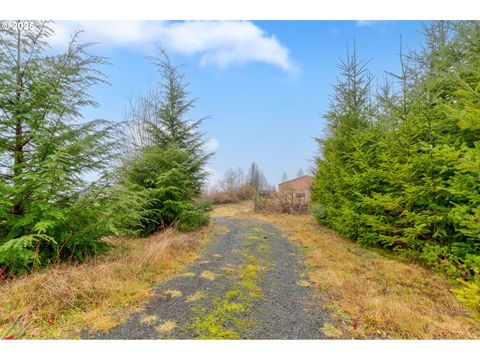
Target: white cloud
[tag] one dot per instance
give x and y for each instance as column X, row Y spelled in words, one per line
column 213, row 178
column 219, row 43
column 211, row 145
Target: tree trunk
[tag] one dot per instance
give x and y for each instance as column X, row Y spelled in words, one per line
column 18, row 208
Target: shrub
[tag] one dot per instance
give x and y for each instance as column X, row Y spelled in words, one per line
column 195, row 217
column 164, row 179
column 245, row 192
column 469, row 295
column 268, row 202
column 319, row 212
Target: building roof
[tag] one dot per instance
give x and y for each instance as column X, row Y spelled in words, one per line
column 295, row 179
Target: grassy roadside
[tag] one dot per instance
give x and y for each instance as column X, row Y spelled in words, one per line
column 371, row 294
column 60, row 302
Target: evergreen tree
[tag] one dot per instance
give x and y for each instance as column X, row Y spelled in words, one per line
column 46, row 147
column 341, row 162
column 168, row 164
column 159, row 119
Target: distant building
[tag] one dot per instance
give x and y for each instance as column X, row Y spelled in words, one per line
column 296, row 191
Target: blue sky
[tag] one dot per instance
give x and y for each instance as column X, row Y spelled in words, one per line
column 263, row 84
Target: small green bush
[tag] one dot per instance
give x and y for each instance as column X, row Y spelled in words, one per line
column 319, row 212
column 165, row 179
column 469, row 295
column 195, row 217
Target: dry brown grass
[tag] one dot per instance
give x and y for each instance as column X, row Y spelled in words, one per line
column 232, row 196
column 208, row 275
column 98, row 294
column 371, row 294
column 166, row 327
column 149, row 320
column 172, row 293
column 197, row 295
column 243, row 208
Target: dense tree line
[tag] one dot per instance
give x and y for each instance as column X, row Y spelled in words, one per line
column 149, row 173
column 399, row 167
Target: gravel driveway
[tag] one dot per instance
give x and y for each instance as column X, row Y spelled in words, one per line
column 247, row 284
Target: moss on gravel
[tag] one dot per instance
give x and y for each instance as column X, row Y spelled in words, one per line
column 230, row 316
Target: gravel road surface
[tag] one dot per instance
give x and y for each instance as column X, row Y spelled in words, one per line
column 247, row 284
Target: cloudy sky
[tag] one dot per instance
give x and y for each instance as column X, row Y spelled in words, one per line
column 263, row 84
